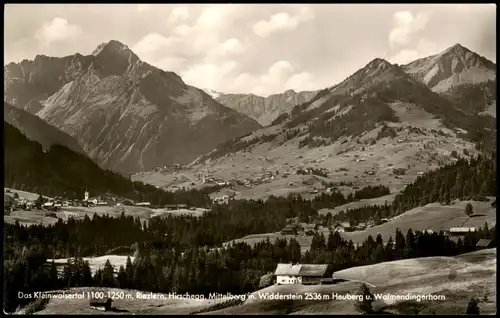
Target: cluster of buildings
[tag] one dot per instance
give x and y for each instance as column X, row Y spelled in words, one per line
column 300, row 229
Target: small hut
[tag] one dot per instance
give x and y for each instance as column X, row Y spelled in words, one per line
column 103, row 304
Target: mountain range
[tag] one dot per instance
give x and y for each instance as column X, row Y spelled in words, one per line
column 455, row 67
column 380, row 118
column 263, row 109
column 129, row 116
column 126, row 114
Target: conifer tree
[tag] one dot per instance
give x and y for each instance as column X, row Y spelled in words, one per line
column 473, row 307
column 364, row 305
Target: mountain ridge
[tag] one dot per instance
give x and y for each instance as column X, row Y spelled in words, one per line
column 36, row 129
column 265, row 109
column 456, row 65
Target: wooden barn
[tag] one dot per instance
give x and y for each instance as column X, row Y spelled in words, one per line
column 103, row 304
column 312, row 274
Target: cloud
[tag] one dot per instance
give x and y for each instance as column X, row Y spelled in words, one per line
column 423, row 48
column 179, row 14
column 322, row 43
column 230, row 46
column 406, row 26
column 182, row 30
column 208, row 75
column 215, row 16
column 282, row 21
column 143, row 7
column 153, row 47
column 280, row 74
column 58, row 30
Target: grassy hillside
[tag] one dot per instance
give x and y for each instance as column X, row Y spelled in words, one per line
column 431, row 216
column 473, row 274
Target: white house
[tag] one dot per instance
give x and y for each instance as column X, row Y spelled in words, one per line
column 288, row 274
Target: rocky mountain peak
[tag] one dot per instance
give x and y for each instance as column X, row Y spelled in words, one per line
column 457, row 49
column 112, row 46
column 378, row 64
column 456, row 65
column 113, row 58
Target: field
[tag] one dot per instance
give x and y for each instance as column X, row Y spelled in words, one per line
column 23, row 194
column 456, row 278
column 40, row 217
column 432, row 216
column 361, row 203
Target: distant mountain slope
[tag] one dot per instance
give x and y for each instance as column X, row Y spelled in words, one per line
column 265, row 109
column 128, row 115
column 38, row 130
column 60, row 171
column 455, row 66
column 378, row 96
column 474, row 98
column 365, row 99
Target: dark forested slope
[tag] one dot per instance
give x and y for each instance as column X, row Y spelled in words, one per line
column 62, row 172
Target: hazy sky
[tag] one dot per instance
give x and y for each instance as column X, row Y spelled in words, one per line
column 253, row 48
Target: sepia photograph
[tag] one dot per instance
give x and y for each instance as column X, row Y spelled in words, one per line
column 249, row 159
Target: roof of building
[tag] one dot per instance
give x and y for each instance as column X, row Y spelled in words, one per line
column 290, row 227
column 483, row 243
column 462, row 229
column 315, row 270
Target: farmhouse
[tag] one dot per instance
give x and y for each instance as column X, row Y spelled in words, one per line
column 290, row 229
column 103, row 304
column 147, row 204
column 306, row 274
column 361, row 226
